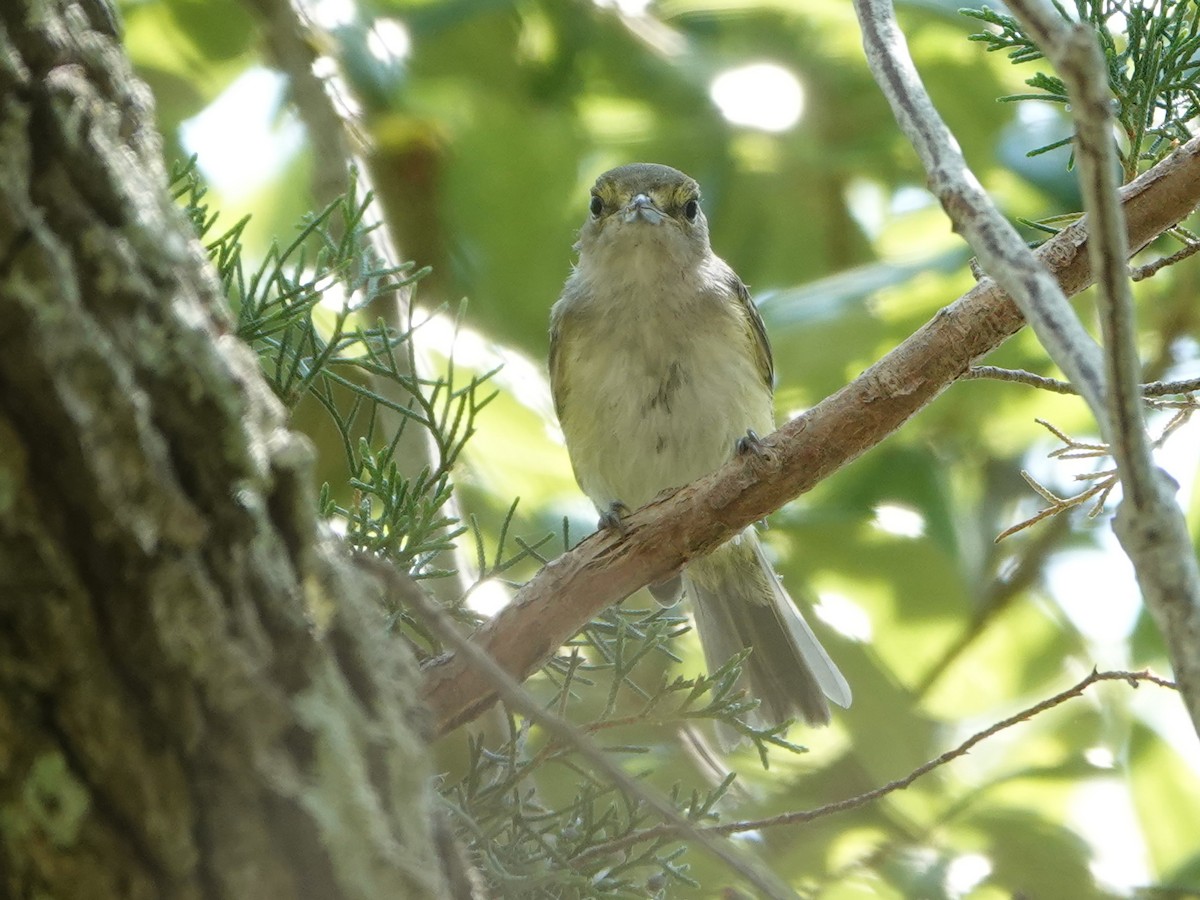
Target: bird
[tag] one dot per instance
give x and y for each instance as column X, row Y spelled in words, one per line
column 661, row 370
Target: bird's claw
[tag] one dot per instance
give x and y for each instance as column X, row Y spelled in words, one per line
column 750, row 442
column 611, row 518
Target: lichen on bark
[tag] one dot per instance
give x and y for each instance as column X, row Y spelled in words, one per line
column 173, row 722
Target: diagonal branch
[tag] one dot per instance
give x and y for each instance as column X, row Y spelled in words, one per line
column 1133, row 679
column 1004, row 256
column 682, row 525
column 411, row 594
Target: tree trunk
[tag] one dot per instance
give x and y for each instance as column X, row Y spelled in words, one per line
column 196, row 697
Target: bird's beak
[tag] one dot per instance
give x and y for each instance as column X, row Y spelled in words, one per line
column 642, row 208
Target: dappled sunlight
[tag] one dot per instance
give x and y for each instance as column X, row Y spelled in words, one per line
column 844, row 615
column 246, row 134
column 760, row 95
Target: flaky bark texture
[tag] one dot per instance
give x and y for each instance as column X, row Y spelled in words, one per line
column 183, row 710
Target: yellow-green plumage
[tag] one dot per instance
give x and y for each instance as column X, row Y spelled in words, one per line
column 659, row 364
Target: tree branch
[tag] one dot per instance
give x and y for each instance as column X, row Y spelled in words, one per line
column 1149, row 523
column 294, row 51
column 1002, row 253
column 1056, row 386
column 1133, row 679
column 683, row 524
column 1075, row 53
column 410, row 594
column 1141, row 273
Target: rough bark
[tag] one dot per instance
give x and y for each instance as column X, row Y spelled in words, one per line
column 194, row 696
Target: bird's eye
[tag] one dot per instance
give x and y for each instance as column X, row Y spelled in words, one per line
column 596, row 206
column 691, row 209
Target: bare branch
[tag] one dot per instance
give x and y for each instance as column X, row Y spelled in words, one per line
column 1074, row 51
column 1149, row 270
column 1058, row 505
column 291, row 49
column 1020, row 376
column 1133, row 679
column 1005, row 257
column 1149, row 523
column 1105, row 480
column 1054, row 385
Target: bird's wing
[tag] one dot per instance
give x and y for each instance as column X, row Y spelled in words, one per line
column 762, row 346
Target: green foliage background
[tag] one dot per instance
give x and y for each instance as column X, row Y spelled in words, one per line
column 486, row 137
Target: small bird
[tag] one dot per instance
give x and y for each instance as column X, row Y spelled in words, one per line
column 661, row 370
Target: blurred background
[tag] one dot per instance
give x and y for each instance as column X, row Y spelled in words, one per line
column 485, row 123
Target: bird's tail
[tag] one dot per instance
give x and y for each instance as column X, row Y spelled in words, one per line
column 739, row 602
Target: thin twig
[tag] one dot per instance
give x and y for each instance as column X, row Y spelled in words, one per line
column 1140, row 273
column 1054, row 385
column 1105, row 479
column 1060, row 505
column 1019, row 376
column 408, row 592
column 803, row 816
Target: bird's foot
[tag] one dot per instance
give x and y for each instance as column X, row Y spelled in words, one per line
column 611, row 518
column 750, row 442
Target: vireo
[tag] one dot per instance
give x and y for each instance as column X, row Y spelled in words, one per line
column 660, row 368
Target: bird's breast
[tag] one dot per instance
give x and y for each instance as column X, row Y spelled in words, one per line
column 657, row 391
